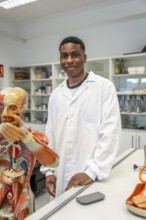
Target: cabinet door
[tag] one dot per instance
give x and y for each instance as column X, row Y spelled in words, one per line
column 128, row 140
column 129, row 78
column 37, row 82
column 141, row 139
column 99, row 67
column 41, row 88
column 58, row 75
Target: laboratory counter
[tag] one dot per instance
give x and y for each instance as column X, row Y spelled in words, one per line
column 117, row 188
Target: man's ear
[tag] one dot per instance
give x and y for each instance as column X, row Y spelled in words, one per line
column 85, row 58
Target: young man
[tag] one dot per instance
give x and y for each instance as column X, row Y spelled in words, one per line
column 83, row 123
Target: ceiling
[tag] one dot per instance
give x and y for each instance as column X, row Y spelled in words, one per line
column 44, row 8
column 61, row 16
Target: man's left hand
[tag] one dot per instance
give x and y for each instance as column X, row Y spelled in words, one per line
column 79, row 179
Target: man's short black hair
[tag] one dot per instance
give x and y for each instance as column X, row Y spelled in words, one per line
column 73, row 39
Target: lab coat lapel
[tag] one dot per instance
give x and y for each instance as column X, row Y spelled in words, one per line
column 65, row 91
column 80, row 90
column 84, row 85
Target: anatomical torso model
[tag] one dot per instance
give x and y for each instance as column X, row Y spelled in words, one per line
column 19, row 149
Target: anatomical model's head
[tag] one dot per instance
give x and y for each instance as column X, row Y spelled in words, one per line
column 13, row 101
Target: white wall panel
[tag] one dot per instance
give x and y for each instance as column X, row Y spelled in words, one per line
column 107, row 40
column 11, row 53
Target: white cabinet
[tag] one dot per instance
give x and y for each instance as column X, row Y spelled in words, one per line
column 37, row 81
column 129, row 77
column 132, row 139
column 99, row 66
column 127, row 72
column 130, row 83
column 141, row 139
column 58, row 75
column 40, row 80
column 128, row 140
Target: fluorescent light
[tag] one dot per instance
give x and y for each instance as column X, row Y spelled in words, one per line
column 14, row 3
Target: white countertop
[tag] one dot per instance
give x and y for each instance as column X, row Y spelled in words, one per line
column 117, row 188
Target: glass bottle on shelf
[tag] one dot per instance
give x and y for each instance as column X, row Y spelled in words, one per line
column 142, row 103
column 123, row 66
column 144, row 97
column 133, row 103
column 117, row 66
column 138, row 104
column 127, row 104
column 121, row 103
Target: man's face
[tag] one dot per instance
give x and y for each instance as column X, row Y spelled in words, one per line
column 13, row 101
column 72, row 59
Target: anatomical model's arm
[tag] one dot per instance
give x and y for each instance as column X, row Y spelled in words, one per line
column 36, row 142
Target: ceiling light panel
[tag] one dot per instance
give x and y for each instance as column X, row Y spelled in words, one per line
column 14, row 3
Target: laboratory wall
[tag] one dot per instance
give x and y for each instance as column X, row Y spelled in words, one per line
column 101, row 41
column 109, row 31
column 11, row 54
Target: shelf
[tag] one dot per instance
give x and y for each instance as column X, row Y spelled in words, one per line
column 130, row 93
column 134, row 113
column 44, row 78
column 41, row 95
column 61, row 78
column 21, row 81
column 129, row 74
column 131, row 89
column 35, row 110
column 40, row 81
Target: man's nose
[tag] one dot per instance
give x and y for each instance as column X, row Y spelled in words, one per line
column 69, row 59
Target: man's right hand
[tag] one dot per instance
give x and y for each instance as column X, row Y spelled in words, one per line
column 51, row 185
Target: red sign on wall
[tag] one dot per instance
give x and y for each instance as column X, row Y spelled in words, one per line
column 1, row 70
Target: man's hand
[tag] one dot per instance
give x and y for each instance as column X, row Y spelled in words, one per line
column 79, row 179
column 51, row 185
column 13, row 133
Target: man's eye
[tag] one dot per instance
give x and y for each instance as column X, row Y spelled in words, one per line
column 75, row 55
column 63, row 56
column 13, row 107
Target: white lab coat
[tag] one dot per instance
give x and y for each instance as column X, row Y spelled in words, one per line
column 84, row 129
